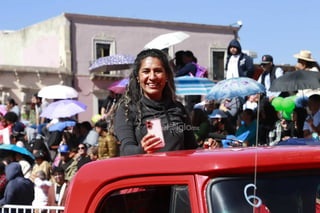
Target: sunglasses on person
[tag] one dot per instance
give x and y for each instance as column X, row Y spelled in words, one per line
column 81, row 147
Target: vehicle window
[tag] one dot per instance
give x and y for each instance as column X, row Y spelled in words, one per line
column 145, row 199
column 268, row 194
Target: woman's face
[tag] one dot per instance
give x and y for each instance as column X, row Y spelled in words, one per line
column 152, row 78
column 301, row 65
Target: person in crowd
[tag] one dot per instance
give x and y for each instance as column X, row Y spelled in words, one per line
column 177, row 63
column 151, row 94
column 249, row 123
column 232, row 107
column 26, row 167
column 38, row 144
column 93, row 153
column 267, row 121
column 8, row 121
column 279, row 132
column 189, row 66
column 18, row 133
column 270, row 72
column 238, row 64
column 70, row 139
column 189, row 69
column 285, row 129
column 295, row 127
column 251, row 102
column 57, row 192
column 209, row 106
column 108, row 145
column 82, row 156
column 67, row 162
column 12, row 106
column 108, row 105
column 3, row 180
column 89, row 134
column 312, row 122
column 36, row 122
column 41, row 189
column 19, row 190
column 40, row 165
column 200, row 124
column 306, row 62
column 220, row 125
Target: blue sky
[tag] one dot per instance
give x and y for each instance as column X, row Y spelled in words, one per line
column 277, row 27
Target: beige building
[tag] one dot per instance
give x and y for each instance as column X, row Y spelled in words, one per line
column 61, row 49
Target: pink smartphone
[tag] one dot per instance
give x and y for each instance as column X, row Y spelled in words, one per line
column 154, row 127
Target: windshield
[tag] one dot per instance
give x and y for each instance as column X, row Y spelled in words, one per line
column 276, row 194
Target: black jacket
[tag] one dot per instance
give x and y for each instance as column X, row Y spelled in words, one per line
column 176, row 126
column 245, row 63
column 19, row 190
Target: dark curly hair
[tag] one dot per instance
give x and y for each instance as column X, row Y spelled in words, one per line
column 133, row 93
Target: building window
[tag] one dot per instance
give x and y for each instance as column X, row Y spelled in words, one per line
column 102, row 49
column 217, row 62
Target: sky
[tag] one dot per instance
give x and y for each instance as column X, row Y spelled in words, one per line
column 280, row 28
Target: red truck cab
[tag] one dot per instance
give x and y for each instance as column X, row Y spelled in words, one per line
column 257, row 179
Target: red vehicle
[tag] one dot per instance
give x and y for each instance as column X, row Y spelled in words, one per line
column 264, row 179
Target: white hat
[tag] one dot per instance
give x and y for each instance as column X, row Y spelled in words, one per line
column 217, row 113
column 304, row 55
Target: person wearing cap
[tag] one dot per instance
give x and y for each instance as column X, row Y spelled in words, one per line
column 306, row 62
column 270, row 72
column 238, row 64
column 66, row 162
column 220, row 125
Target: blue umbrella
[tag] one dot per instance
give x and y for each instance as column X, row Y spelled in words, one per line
column 235, row 87
column 188, row 85
column 21, row 150
column 112, row 62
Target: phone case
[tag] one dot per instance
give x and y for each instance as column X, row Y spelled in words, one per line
column 154, row 127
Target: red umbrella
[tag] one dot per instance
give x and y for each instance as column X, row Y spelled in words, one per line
column 119, row 86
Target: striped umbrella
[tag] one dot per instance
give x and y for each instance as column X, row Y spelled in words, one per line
column 188, row 85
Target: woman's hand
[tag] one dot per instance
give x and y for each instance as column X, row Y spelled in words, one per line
column 211, row 143
column 150, row 143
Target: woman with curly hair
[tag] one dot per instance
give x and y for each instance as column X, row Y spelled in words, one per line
column 151, row 95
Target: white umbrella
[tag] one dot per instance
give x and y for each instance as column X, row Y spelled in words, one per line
column 166, row 40
column 63, row 109
column 58, row 91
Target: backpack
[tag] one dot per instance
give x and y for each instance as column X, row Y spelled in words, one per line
column 201, row 72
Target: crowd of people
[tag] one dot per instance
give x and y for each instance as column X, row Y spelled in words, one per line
column 58, row 149
column 125, row 127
